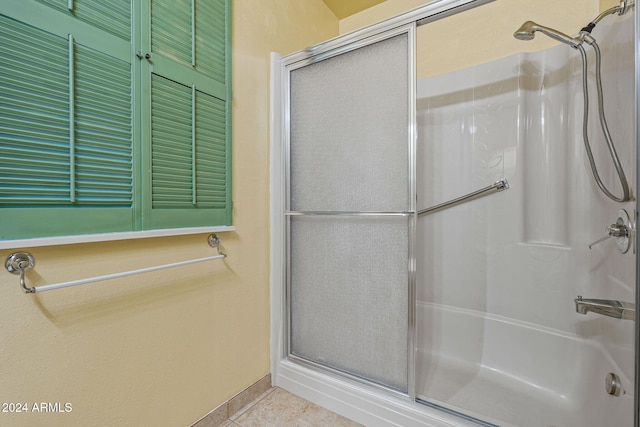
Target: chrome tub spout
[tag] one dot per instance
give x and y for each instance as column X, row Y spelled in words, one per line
column 611, row 308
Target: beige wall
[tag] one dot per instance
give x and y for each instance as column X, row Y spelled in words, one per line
column 605, row 4
column 161, row 348
column 481, row 34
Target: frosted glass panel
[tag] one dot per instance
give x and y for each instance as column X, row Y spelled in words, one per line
column 349, row 295
column 349, row 121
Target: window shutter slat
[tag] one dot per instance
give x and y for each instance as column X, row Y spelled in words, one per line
column 170, row 143
column 172, row 151
column 112, row 16
column 104, row 140
column 171, row 29
column 34, row 131
column 211, row 158
column 210, row 38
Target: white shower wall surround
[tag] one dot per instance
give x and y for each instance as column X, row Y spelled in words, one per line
column 498, row 335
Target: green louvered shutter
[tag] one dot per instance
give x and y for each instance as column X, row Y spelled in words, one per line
column 92, row 141
column 66, row 112
column 189, row 114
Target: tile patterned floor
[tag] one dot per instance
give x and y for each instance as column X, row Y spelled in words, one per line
column 279, row 408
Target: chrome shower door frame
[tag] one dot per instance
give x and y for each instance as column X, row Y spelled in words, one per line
column 636, row 400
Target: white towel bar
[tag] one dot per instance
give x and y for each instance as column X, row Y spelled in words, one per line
column 20, row 262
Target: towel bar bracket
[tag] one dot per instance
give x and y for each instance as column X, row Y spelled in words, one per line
column 214, row 241
column 19, row 263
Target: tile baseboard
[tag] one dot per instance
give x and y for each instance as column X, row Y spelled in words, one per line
column 231, row 407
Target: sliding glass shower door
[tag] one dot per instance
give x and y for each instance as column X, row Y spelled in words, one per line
column 350, row 208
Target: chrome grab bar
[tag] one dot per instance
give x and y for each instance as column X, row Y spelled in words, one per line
column 611, row 308
column 20, row 262
column 495, row 187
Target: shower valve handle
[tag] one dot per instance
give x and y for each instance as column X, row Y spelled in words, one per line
column 614, row 230
column 621, row 230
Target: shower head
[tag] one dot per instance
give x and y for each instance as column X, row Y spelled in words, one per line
column 528, row 29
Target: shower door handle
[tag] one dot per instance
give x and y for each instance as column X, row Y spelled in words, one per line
column 500, row 185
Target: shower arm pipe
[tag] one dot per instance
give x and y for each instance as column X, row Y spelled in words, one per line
column 497, row 186
column 21, row 262
column 621, row 9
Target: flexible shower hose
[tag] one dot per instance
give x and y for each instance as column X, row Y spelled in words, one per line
column 626, row 195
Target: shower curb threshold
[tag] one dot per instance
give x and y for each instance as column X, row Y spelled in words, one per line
column 360, row 402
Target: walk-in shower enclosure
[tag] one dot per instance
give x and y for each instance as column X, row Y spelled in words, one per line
column 432, row 231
